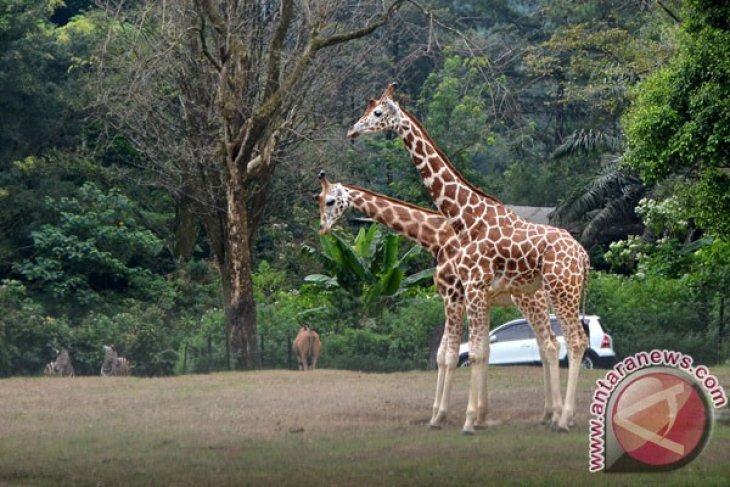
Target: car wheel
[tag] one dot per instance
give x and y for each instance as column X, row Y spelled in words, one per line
column 464, row 362
column 588, row 362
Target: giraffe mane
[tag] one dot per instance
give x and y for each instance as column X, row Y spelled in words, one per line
column 394, row 200
column 448, row 162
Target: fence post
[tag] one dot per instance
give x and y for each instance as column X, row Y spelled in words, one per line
column 210, row 353
column 720, row 329
column 185, row 359
column 262, row 350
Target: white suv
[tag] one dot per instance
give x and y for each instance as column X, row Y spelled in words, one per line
column 515, row 343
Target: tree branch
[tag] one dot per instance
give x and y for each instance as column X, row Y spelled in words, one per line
column 669, row 12
column 214, row 16
column 273, row 102
column 204, row 45
column 276, row 45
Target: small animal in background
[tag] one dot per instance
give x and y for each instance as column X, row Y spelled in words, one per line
column 50, row 370
column 307, row 347
column 114, row 364
column 61, row 367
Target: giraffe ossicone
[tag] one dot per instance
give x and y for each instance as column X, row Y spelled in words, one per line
column 499, row 252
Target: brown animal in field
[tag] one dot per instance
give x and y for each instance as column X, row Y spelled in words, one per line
column 306, row 347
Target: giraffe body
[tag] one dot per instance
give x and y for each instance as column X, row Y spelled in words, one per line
column 498, row 252
column 433, row 232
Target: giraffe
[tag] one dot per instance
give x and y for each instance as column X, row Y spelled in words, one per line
column 433, row 232
column 498, row 252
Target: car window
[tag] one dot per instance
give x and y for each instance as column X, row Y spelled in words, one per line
column 518, row 331
column 559, row 332
column 556, row 327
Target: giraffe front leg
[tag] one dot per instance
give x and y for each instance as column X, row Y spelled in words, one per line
column 450, row 343
column 547, row 411
column 549, row 354
column 435, row 422
column 478, row 352
column 483, row 399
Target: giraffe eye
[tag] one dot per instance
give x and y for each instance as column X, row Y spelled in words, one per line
column 330, row 202
column 378, row 112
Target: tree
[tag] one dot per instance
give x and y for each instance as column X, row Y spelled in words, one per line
column 94, row 247
column 215, row 93
column 678, row 126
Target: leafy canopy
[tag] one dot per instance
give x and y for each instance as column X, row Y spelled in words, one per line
column 679, row 124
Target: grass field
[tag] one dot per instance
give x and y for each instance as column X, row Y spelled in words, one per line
column 289, row 428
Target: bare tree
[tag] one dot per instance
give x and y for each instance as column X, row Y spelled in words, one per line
column 211, row 92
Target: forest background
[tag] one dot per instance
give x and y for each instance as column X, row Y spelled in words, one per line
column 158, row 161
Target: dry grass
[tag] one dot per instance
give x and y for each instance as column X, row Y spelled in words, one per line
column 290, row 428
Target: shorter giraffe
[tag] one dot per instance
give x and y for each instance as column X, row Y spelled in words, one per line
column 433, row 232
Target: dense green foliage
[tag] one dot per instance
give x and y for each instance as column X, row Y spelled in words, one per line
column 679, row 124
column 612, row 110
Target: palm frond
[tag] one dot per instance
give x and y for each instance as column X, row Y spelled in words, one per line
column 587, row 142
column 613, row 183
column 614, row 210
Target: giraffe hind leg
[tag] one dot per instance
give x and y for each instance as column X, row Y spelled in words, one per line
column 576, row 342
column 534, row 308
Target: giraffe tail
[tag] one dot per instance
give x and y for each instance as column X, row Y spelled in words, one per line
column 586, row 284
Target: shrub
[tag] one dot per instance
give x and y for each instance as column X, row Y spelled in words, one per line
column 643, row 313
column 27, row 335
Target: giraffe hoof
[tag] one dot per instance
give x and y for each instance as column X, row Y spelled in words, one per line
column 434, row 426
column 561, row 429
column 467, row 432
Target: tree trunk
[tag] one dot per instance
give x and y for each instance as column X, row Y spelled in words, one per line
column 186, row 229
column 240, row 307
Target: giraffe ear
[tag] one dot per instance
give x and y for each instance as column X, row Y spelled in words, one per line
column 392, row 106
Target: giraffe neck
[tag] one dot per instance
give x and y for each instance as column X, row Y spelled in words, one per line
column 455, row 197
column 427, row 228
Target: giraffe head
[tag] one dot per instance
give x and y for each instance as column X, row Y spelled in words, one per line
column 333, row 200
column 380, row 115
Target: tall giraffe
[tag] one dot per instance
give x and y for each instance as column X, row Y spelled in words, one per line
column 432, row 231
column 499, row 252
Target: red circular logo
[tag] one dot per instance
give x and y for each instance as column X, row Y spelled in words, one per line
column 661, row 419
